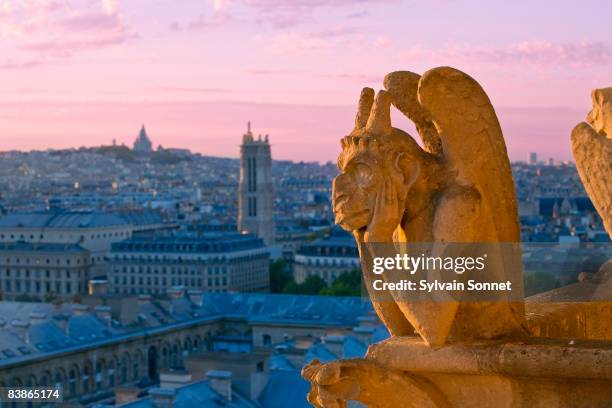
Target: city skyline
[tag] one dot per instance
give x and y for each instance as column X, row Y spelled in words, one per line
column 85, row 73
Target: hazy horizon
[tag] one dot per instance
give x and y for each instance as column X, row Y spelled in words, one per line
column 82, row 73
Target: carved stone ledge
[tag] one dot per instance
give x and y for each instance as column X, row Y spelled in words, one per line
column 405, row 372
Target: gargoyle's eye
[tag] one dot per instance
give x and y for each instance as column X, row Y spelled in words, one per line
column 363, row 175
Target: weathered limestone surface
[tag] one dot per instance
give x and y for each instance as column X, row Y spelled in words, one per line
column 582, row 310
column 405, row 372
column 533, row 373
column 458, row 188
column 592, row 146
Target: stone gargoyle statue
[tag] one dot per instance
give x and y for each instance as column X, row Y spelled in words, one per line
column 457, row 189
column 592, row 146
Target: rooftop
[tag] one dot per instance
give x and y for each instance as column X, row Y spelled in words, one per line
column 30, row 330
column 184, row 242
column 60, row 219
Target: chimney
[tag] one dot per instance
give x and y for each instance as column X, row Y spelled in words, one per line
column 142, row 299
column 176, row 292
column 303, row 342
column 61, row 320
column 21, row 328
column 368, row 321
column 221, row 382
column 195, row 296
column 37, row 317
column 163, row 397
column 97, row 287
column 104, row 313
column 126, row 394
column 80, row 310
column 171, row 379
column 335, row 344
column 364, row 334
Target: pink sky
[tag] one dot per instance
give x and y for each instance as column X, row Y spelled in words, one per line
column 82, row 72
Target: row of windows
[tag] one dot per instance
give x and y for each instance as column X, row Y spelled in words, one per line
column 120, row 370
column 21, row 287
column 101, row 235
column 38, row 261
column 330, row 262
column 37, row 273
column 172, row 271
column 180, row 259
column 195, row 282
column 331, row 251
column 153, row 291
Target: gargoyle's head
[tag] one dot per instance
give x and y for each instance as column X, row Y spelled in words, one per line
column 601, row 115
column 373, row 153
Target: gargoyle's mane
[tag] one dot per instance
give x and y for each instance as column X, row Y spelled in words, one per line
column 377, row 146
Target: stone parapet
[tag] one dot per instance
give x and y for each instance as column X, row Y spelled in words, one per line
column 405, row 372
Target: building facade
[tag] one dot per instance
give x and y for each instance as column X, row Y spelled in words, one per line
column 255, row 195
column 327, row 258
column 94, row 231
column 213, row 262
column 94, row 358
column 43, row 271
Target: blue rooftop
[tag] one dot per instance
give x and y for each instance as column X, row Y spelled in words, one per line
column 60, row 219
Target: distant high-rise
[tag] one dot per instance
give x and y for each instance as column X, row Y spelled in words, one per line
column 143, row 144
column 255, row 201
column 533, row 158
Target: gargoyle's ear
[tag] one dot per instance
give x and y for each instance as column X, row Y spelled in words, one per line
column 379, row 122
column 597, row 97
column 366, row 100
column 408, row 167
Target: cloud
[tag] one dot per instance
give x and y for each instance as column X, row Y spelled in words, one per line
column 217, row 5
column 91, row 21
column 191, row 90
column 10, row 64
column 358, row 78
column 65, row 47
column 110, row 6
column 59, row 29
column 358, row 14
column 301, row 4
column 534, row 53
column 547, row 53
column 286, row 13
column 334, row 32
column 298, row 42
column 216, row 20
column 281, row 71
column 203, row 22
column 275, row 13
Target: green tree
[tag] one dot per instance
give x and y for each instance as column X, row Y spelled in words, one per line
column 312, row 285
column 24, row 297
column 50, row 297
column 279, row 277
column 347, row 284
column 291, row 288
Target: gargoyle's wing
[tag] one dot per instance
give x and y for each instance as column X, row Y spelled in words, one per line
column 593, row 154
column 403, row 86
column 474, row 147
